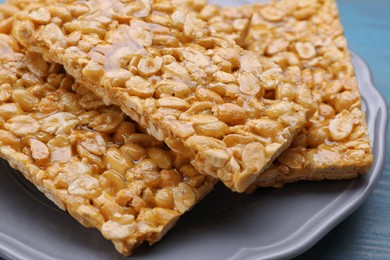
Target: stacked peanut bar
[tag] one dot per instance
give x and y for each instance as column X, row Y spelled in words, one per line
column 222, row 107
column 306, row 39
column 175, row 68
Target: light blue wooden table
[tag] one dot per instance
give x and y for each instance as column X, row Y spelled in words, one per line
column 366, row 233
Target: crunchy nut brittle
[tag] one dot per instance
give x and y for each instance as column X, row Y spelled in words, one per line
column 306, row 38
column 172, row 71
column 87, row 157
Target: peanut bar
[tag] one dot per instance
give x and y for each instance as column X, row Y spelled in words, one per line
column 88, row 158
column 306, row 39
column 228, row 110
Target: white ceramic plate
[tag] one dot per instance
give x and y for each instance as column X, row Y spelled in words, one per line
column 269, row 224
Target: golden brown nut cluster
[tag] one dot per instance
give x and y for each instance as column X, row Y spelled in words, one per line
column 88, row 157
column 306, row 39
column 173, row 73
column 6, row 17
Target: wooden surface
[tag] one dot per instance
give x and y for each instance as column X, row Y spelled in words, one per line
column 366, row 233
